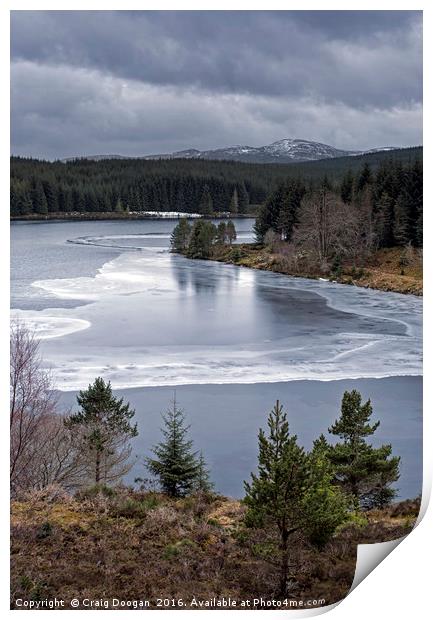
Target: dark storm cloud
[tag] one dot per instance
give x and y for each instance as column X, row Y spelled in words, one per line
column 209, row 79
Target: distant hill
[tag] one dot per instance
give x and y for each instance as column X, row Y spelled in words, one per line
column 288, row 150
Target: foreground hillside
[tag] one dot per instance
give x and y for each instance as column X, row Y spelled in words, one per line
column 145, row 546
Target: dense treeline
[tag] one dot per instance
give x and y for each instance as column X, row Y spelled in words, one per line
column 190, row 186
column 363, row 212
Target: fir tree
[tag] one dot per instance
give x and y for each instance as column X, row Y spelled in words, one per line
column 38, row 198
column 346, row 189
column 202, row 237
column 221, row 235
column 364, row 178
column 234, row 202
column 363, row 472
column 104, row 429
column 383, row 218
column 202, row 482
column 325, row 503
column 180, row 236
column 231, row 232
column 292, row 491
column 402, row 220
column 176, row 465
column 205, row 206
column 243, row 198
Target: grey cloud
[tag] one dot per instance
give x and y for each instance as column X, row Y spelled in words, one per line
column 153, row 82
column 68, row 111
column 358, row 57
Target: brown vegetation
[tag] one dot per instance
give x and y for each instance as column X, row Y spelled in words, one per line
column 144, row 545
column 388, row 269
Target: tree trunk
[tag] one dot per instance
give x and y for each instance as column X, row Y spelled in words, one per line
column 284, row 564
column 98, row 467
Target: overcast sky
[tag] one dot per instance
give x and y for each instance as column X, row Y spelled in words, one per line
column 144, row 82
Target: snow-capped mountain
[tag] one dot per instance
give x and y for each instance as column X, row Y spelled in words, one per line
column 282, row 151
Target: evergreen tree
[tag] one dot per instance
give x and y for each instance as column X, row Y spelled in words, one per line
column 180, row 236
column 205, row 206
column 221, row 236
column 364, row 178
column 383, row 219
column 37, row 196
column 415, row 191
column 346, row 189
column 402, row 220
column 231, row 232
column 243, row 198
column 292, row 491
column 234, row 202
column 202, row 482
column 280, row 211
column 50, row 196
column 202, row 237
column 288, row 215
column 104, row 427
column 363, row 472
column 175, row 464
column 325, row 503
column 118, row 206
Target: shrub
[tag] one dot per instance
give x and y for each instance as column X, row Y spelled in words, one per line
column 44, row 531
column 95, row 491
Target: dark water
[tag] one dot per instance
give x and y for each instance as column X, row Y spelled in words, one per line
column 225, row 420
column 107, row 298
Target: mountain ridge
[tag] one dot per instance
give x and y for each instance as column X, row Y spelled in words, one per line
column 287, row 150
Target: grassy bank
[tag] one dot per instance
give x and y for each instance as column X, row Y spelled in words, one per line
column 386, row 270
column 135, row 545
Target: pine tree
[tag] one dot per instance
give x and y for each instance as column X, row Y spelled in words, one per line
column 202, row 482
column 221, row 236
column 205, row 206
column 363, row 472
column 180, row 236
column 176, row 465
column 37, row 196
column 231, row 232
column 325, row 504
column 383, row 219
column 292, row 491
column 402, row 220
column 243, row 198
column 50, row 196
column 346, row 189
column 365, row 177
column 104, row 429
column 202, row 237
column 234, row 202
column 119, row 206
column 280, row 211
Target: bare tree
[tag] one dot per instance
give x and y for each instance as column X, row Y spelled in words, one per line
column 57, row 456
column 31, row 401
column 42, row 450
column 328, row 227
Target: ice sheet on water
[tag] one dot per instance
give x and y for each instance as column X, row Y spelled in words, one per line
column 126, row 274
column 46, row 325
column 383, row 339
